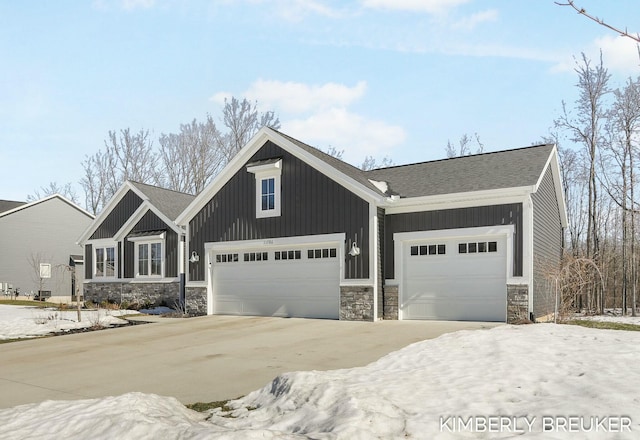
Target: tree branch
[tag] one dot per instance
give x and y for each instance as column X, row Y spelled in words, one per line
column 600, row 21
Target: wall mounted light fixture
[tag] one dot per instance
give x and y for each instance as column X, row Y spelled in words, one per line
column 194, row 257
column 355, row 250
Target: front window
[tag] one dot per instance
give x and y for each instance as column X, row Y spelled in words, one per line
column 150, row 259
column 105, row 262
column 268, row 191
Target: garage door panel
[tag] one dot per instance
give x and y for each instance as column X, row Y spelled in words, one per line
column 455, row 285
column 304, row 287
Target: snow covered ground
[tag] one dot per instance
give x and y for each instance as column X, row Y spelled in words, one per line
column 542, row 381
column 28, row 322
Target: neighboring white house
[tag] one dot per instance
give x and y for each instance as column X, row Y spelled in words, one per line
column 38, row 249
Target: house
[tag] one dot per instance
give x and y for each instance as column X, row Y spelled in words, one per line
column 287, row 230
column 133, row 250
column 38, row 250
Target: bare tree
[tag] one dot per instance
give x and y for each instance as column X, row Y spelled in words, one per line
column 582, row 11
column 333, row 152
column 40, row 265
column 464, row 146
column 370, row 163
column 191, row 158
column 243, row 120
column 53, row 188
column 585, row 128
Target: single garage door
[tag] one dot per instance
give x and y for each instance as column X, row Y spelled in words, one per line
column 455, row 279
column 298, row 281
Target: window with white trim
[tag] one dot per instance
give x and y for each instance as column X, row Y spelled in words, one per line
column 105, row 262
column 268, row 190
column 149, row 259
column 149, row 254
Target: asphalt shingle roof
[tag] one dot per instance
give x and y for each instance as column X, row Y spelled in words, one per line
column 8, row 205
column 170, row 203
column 502, row 169
column 496, row 170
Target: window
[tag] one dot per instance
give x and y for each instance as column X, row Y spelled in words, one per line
column 321, row 253
column 150, row 259
column 479, row 247
column 105, row 262
column 288, row 255
column 256, row 256
column 226, row 258
column 432, row 249
column 267, row 174
column 268, row 194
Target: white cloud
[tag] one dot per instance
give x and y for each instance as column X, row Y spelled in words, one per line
column 469, row 23
column 428, row 6
column 292, row 97
column 357, row 135
column 298, row 10
column 318, row 114
column 619, row 54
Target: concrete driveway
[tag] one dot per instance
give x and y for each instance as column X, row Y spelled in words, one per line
column 198, row 359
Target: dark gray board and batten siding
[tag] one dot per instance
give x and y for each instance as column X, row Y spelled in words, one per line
column 312, row 204
column 478, row 216
column 548, row 244
column 112, row 224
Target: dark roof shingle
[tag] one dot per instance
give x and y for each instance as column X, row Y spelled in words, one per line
column 8, row 205
column 170, row 203
column 487, row 171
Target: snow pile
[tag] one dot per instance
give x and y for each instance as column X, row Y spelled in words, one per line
column 28, row 322
column 498, row 383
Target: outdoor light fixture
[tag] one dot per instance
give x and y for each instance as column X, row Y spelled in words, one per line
column 194, row 257
column 355, row 250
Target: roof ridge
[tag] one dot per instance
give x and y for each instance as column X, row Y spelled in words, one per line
column 135, row 182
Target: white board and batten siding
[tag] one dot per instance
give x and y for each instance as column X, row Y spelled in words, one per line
column 278, row 277
column 454, row 275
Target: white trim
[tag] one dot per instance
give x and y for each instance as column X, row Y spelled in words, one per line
column 238, row 162
column 134, row 280
column 276, row 242
column 459, row 200
column 373, row 256
column 277, row 190
column 400, row 240
column 157, row 237
column 357, row 282
column 104, row 244
column 136, row 255
column 527, row 249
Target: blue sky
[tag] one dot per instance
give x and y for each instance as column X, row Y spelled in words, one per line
column 391, row 78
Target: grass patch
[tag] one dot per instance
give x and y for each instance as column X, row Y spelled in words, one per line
column 605, row 325
column 24, row 302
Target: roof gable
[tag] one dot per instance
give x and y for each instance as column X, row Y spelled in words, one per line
column 21, row 205
column 170, row 203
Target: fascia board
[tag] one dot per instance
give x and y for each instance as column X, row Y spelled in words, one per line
column 554, row 164
column 458, row 200
column 264, row 135
column 124, row 188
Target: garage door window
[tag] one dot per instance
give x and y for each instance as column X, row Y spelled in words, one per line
column 431, row 249
column 227, row 258
column 288, row 255
column 321, row 253
column 478, row 247
column 256, row 256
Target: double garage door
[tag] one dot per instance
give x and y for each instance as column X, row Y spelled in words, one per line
column 455, row 279
column 293, row 281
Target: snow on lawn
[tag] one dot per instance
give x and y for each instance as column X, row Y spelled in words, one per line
column 28, row 322
column 500, row 383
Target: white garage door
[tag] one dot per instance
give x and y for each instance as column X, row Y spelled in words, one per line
column 455, row 279
column 297, row 281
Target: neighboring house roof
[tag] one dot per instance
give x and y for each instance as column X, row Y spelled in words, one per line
column 22, row 206
column 170, row 203
column 497, row 170
column 8, row 205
